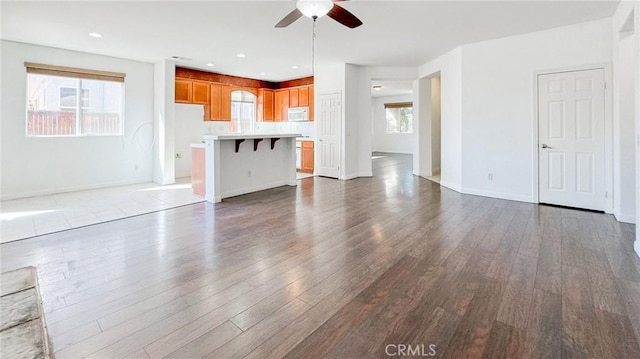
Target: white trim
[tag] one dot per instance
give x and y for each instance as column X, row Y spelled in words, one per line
column 395, row 152
column 636, row 247
column 624, row 218
column 500, row 195
column 348, row 177
column 450, row 186
column 260, row 187
column 608, row 129
column 52, row 191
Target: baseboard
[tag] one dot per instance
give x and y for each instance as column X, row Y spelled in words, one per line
column 394, row 152
column 349, row 177
column 52, row 191
column 365, row 174
column 499, row 195
column 451, row 186
column 261, row 187
column 624, row 218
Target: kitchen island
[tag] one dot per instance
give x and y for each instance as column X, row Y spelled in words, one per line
column 237, row 164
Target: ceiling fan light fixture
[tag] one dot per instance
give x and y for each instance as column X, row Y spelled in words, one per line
column 314, row 8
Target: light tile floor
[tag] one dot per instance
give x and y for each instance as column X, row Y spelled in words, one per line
column 435, row 178
column 28, row 217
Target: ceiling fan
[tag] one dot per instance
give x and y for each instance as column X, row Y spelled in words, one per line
column 318, row 8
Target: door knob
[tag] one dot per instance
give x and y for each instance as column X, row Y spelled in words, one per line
column 544, row 145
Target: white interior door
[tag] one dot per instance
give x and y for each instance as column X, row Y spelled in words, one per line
column 328, row 129
column 571, row 139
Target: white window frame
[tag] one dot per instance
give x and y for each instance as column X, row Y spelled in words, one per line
column 81, row 98
column 389, row 107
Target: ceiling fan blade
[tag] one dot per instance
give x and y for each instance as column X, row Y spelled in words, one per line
column 289, row 19
column 344, row 17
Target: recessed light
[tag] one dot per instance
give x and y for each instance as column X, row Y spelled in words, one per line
column 295, row 67
column 263, row 73
column 210, row 65
column 181, row 58
column 241, row 55
column 95, row 34
column 377, row 87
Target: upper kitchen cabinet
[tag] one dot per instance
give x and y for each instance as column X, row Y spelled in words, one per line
column 294, row 100
column 220, row 105
column 303, row 96
column 266, row 104
column 184, row 90
column 200, row 92
column 281, row 104
column 311, row 102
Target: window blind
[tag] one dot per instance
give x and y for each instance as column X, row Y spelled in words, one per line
column 398, row 105
column 73, row 72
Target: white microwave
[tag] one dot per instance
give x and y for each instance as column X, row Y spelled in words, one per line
column 298, row 114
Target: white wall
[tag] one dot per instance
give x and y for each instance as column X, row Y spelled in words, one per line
column 353, row 133
column 626, row 19
column 624, row 130
column 625, row 68
column 436, row 125
column 498, row 103
column 163, row 123
column 389, row 142
column 37, row 166
column 449, row 68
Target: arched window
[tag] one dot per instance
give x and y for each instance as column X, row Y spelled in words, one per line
column 243, row 110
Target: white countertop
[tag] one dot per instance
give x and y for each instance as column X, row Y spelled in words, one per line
column 198, row 145
column 248, row 136
column 305, row 139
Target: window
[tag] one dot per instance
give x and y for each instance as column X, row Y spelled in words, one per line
column 55, row 109
column 68, row 98
column 399, row 117
column 243, row 110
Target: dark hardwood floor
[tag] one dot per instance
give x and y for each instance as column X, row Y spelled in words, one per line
column 367, row 268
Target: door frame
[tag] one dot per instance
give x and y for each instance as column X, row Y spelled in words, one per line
column 608, row 129
column 316, row 154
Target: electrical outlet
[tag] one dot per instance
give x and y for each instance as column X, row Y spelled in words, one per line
column 490, row 176
column 178, row 155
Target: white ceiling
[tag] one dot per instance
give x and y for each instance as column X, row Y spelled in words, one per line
column 395, row 33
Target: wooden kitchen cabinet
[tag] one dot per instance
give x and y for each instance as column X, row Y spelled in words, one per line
column 311, row 103
column 281, row 105
column 220, row 105
column 307, row 157
column 294, row 93
column 303, row 96
column 266, row 104
column 183, row 91
column 200, row 92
